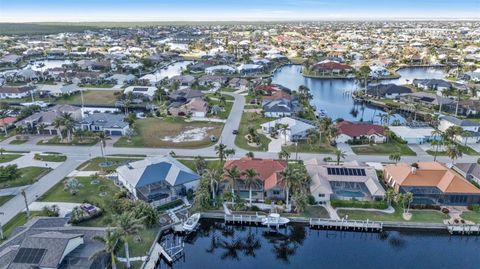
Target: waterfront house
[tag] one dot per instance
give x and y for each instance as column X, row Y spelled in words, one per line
column 471, row 129
column 345, row 182
column 213, row 80
column 220, row 69
column 413, row 135
column 52, row 243
column 427, row 99
column 183, row 80
column 141, row 91
column 389, row 91
column 111, row 124
column 47, row 117
column 331, row 68
column 280, row 108
column 15, row 92
column 270, row 182
column 297, row 128
column 249, row 69
column 359, row 132
column 431, row 183
column 437, row 84
column 157, row 180
column 196, row 107
column 465, row 107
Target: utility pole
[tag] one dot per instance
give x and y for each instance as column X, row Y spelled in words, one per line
column 1, row 227
column 24, row 194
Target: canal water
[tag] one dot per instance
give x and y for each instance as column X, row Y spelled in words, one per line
column 333, row 95
column 216, row 245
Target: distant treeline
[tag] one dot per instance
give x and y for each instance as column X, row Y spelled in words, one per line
column 34, row 28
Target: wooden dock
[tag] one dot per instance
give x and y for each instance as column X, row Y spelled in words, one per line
column 154, row 257
column 466, row 229
column 353, row 225
column 244, row 219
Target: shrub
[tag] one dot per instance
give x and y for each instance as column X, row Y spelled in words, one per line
column 311, row 200
column 359, row 204
column 445, row 210
column 268, row 201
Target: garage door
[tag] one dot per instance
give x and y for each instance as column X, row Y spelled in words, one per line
column 115, row 132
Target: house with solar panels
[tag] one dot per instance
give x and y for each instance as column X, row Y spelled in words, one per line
column 343, row 182
column 157, row 180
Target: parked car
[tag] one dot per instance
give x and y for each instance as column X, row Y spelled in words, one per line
column 235, row 132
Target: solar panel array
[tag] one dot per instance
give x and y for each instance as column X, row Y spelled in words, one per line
column 342, row 171
column 29, row 255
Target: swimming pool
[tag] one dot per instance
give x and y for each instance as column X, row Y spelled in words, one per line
column 345, row 193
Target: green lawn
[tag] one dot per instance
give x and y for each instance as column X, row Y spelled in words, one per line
column 312, row 212
column 18, row 141
column 93, row 97
column 251, row 119
column 384, row 149
column 211, row 164
column 151, row 133
column 29, row 175
column 323, row 147
column 87, row 193
column 4, row 199
column 222, row 114
column 465, row 150
column 5, row 158
column 19, row 220
column 428, row 216
column 50, row 157
column 93, row 164
column 75, row 141
column 471, row 216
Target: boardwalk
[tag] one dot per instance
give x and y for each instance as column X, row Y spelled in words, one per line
column 342, row 224
column 244, row 219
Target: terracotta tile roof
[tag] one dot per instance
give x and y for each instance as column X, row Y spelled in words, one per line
column 359, row 129
column 430, row 174
column 7, row 120
column 267, row 169
column 332, row 65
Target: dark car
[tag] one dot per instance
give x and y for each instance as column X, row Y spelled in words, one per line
column 235, row 132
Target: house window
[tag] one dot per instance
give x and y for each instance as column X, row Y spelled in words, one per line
column 321, row 195
column 276, row 192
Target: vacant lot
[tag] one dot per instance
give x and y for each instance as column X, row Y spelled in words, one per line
column 90, row 97
column 171, row 133
column 384, row 149
column 94, row 164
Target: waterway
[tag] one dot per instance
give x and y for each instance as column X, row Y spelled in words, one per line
column 216, row 245
column 333, row 95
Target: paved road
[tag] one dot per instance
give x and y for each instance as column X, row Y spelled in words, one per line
column 78, row 154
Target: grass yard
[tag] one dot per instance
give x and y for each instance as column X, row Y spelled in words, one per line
column 140, row 245
column 18, row 141
column 93, row 164
column 384, row 149
column 222, row 114
column 4, row 199
column 211, row 164
column 471, row 216
column 464, row 149
column 88, row 192
column 19, row 220
column 75, row 141
column 93, row 97
column 254, row 120
column 312, row 212
column 50, row 157
column 5, row 158
column 425, row 215
column 324, row 147
column 29, row 175
column 151, row 133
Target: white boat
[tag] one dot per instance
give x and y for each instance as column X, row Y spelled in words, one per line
column 274, row 219
column 191, row 223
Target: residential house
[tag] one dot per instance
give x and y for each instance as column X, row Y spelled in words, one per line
column 471, row 129
column 249, row 69
column 270, row 181
column 297, row 129
column 184, row 95
column 427, row 99
column 183, row 80
column 111, row 124
column 348, row 181
column 413, row 135
column 389, row 91
column 350, row 132
column 53, row 243
column 47, row 118
column 196, row 107
column 220, row 69
column 238, row 83
column 280, row 108
column 439, row 85
column 331, row 68
column 6, row 123
column 157, row 180
column 213, row 80
column 431, row 183
column 15, row 92
column 147, row 92
column 470, row 171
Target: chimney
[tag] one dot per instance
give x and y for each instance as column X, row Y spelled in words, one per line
column 414, row 167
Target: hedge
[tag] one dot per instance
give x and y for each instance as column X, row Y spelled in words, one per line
column 360, row 204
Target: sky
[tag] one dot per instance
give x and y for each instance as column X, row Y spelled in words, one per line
column 233, row 10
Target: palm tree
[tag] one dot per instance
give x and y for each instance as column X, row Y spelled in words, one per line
column 395, row 157
column 58, row 123
column 284, row 154
column 408, row 199
column 102, row 136
column 128, row 225
column 453, row 152
column 389, row 196
column 232, row 175
column 251, row 180
column 67, row 122
column 213, row 176
column 288, row 178
column 2, row 150
column 340, row 155
column 284, row 129
column 332, row 133
column 435, row 134
column 223, row 152
column 3, row 115
column 110, row 240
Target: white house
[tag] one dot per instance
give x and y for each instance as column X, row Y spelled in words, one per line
column 297, row 129
column 145, row 91
column 15, row 92
column 414, row 135
column 471, row 127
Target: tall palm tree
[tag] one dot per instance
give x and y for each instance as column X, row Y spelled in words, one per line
column 223, row 152
column 340, row 154
column 453, row 152
column 436, row 134
column 3, row 115
column 251, row 180
column 58, row 124
column 288, row 178
column 395, row 157
column 284, row 154
column 103, row 137
column 67, row 122
column 389, row 196
column 284, row 129
column 232, row 175
column 213, row 176
column 128, row 225
column 408, row 199
column 111, row 240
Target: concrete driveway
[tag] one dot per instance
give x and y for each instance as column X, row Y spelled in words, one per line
column 345, row 148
